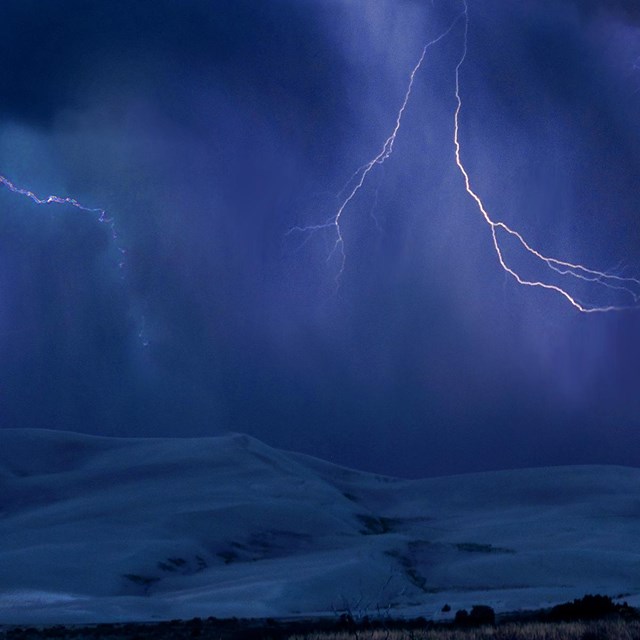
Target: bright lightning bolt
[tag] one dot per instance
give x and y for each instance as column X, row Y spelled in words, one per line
column 560, row 267
column 363, row 172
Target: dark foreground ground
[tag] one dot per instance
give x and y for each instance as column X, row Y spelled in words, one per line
column 590, row 618
column 600, row 630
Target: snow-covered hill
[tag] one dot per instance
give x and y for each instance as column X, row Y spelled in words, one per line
column 98, row 529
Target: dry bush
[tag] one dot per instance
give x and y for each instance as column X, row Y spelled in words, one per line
column 612, row 630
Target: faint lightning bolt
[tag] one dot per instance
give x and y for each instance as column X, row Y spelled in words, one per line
column 102, row 216
column 361, row 174
column 560, row 267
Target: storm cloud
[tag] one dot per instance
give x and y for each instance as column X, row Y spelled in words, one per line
column 208, row 130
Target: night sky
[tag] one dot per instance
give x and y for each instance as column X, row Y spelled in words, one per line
column 209, row 129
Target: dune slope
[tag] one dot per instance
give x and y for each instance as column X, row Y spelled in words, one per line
column 103, row 529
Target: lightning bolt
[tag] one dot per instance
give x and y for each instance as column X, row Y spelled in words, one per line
column 561, row 267
column 361, row 174
column 562, row 270
column 101, row 216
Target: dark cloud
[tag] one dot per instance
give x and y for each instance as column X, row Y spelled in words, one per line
column 68, row 55
column 208, row 129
